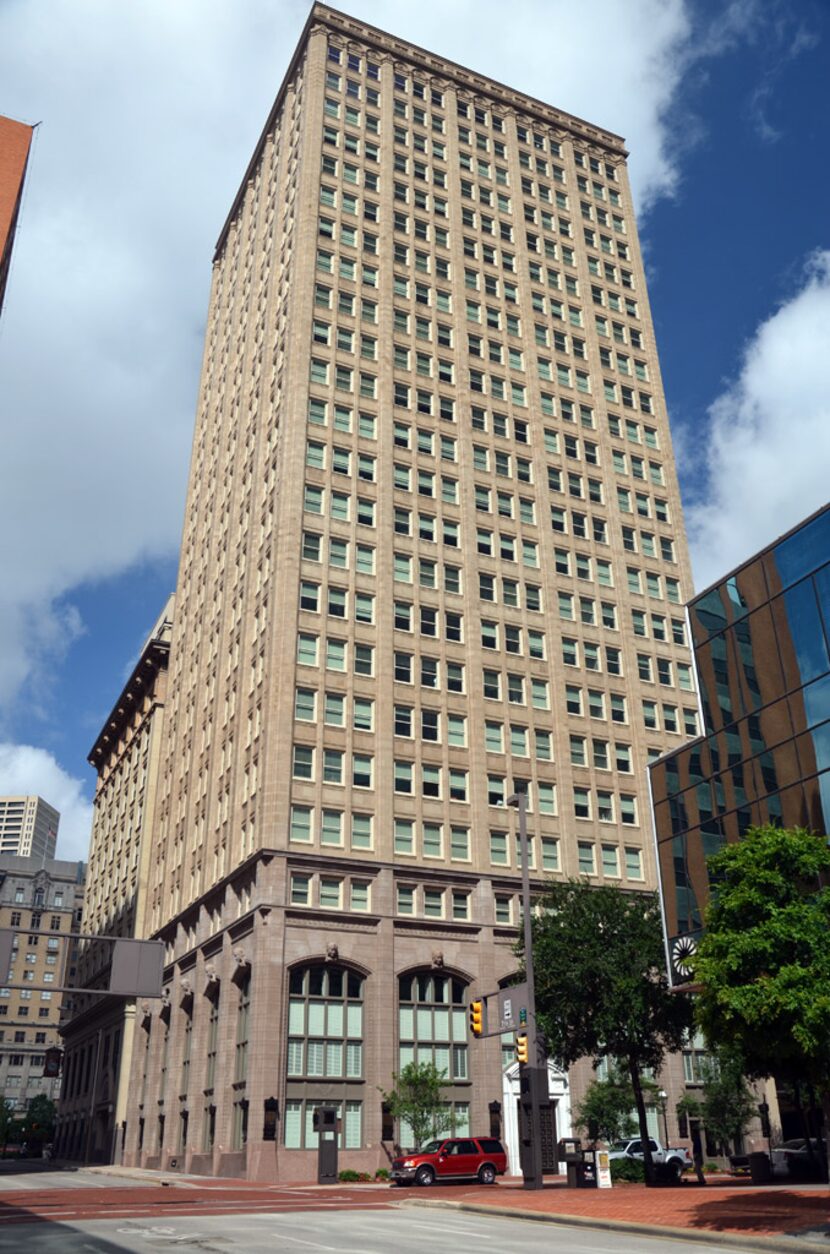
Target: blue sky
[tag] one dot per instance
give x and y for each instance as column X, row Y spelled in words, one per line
column 149, row 113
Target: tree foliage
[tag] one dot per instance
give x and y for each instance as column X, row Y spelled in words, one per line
column 6, row 1123
column 39, row 1121
column 418, row 1101
column 764, row 960
column 601, row 986
column 605, row 1110
column 728, row 1104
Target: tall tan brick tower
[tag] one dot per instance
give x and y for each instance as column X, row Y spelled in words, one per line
column 432, row 547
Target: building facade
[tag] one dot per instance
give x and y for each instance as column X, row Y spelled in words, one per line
column 28, row 827
column 761, row 639
column 36, row 896
column 15, row 142
column 98, row 1034
column 433, row 549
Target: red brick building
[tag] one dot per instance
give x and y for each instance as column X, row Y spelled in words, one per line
column 15, row 141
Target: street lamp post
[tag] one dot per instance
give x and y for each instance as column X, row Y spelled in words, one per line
column 663, row 1098
column 533, row 1076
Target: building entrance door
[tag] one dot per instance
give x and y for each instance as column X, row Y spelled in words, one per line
column 550, row 1162
column 556, row 1120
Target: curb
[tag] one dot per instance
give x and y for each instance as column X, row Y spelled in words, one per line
column 757, row 1244
column 140, row 1173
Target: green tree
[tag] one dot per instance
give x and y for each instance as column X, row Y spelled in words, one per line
column 605, row 1110
column 728, row 1103
column 763, row 962
column 601, row 986
column 417, row 1100
column 39, row 1120
column 6, row 1121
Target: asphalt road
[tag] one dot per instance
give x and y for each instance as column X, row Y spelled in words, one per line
column 345, row 1232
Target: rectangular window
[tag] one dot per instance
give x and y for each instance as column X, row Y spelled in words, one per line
column 331, row 893
column 459, row 844
column 300, row 828
column 331, row 827
column 498, row 848
column 611, row 861
column 404, row 836
column 432, row 839
column 434, row 903
column 300, row 892
column 405, row 899
column 361, row 837
column 303, row 762
column 332, row 766
column 403, row 777
column 586, row 858
column 634, row 863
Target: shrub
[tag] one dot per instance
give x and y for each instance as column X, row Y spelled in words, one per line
column 348, row 1176
column 381, row 1174
column 709, row 1167
column 628, row 1169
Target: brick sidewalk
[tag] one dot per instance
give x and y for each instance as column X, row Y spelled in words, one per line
column 722, row 1206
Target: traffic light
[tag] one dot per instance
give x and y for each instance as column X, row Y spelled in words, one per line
column 477, row 1017
column 52, row 1062
column 521, row 1048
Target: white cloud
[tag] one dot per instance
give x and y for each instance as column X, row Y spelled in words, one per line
column 149, row 113
column 768, row 442
column 27, row 771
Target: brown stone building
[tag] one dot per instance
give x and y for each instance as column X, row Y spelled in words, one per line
column 433, row 548
column 98, row 1036
column 37, row 895
column 15, row 141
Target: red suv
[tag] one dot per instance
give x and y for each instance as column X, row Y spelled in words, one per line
column 482, row 1158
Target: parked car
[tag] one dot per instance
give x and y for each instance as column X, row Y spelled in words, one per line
column 673, row 1160
column 792, row 1158
column 479, row 1158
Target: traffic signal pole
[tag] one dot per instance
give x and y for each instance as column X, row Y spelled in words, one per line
column 533, row 1076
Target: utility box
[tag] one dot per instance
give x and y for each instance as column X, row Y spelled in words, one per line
column 327, row 1126
column 579, row 1162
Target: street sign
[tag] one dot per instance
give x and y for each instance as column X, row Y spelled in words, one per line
column 136, row 969
column 513, row 1008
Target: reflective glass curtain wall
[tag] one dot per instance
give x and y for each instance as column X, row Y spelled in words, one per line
column 761, row 639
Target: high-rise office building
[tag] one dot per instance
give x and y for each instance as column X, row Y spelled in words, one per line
column 15, row 141
column 98, row 1035
column 761, row 639
column 28, row 827
column 432, row 551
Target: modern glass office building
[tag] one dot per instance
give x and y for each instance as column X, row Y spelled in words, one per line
column 761, row 638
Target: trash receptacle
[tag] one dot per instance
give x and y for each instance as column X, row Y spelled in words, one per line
column 760, row 1168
